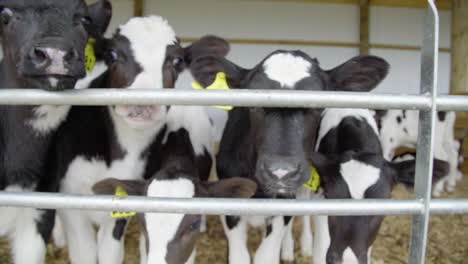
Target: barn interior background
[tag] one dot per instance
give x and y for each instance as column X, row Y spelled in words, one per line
column 332, row 31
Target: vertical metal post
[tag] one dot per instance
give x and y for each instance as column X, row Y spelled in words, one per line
column 423, row 188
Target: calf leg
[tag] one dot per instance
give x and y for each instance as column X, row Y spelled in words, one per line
column 306, row 237
column 204, row 224
column 191, row 259
column 235, row 228
column 287, row 247
column 80, row 236
column 29, row 240
column 322, row 239
column 452, row 155
column 143, row 251
column 58, row 234
column 111, row 236
column 269, row 250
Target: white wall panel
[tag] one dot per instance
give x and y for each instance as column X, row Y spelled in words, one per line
column 405, row 72
column 403, row 26
column 271, row 20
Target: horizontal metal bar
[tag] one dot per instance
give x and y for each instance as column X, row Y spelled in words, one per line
column 265, row 98
column 452, row 103
column 230, row 206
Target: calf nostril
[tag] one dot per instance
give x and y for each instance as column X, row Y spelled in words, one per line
column 71, row 55
column 39, row 56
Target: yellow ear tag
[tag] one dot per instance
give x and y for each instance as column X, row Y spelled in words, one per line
column 219, row 84
column 90, row 56
column 121, row 193
column 314, row 181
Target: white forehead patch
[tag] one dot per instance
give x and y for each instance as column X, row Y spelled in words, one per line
column 163, row 227
column 149, row 38
column 332, row 117
column 286, row 69
column 359, row 177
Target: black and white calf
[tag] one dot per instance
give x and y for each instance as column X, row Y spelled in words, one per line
column 273, row 146
column 351, row 166
column 43, row 44
column 124, row 142
column 400, row 128
column 181, row 173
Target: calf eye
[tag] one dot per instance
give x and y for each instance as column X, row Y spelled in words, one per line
column 177, row 61
column 79, row 20
column 195, row 226
column 111, row 56
column 5, row 15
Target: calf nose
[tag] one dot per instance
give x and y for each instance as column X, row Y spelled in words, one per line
column 282, row 169
column 52, row 60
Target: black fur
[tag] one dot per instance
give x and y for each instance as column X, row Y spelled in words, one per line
column 119, row 229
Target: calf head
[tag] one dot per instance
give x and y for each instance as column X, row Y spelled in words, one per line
column 44, row 40
column 272, row 144
column 145, row 53
column 171, row 238
column 360, row 175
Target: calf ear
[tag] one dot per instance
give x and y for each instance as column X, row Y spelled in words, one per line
column 101, row 15
column 109, row 186
column 207, row 45
column 360, row 74
column 232, row 188
column 404, row 171
column 323, row 164
column 205, row 68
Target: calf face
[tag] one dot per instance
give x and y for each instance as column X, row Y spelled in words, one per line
column 272, row 144
column 44, row 40
column 360, row 175
column 145, row 53
column 171, row 238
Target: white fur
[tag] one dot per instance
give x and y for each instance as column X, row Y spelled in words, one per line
column 163, row 227
column 19, row 224
column 53, row 82
column 349, row 257
column 99, row 68
column 322, row 239
column 286, row 69
column 47, row 118
column 81, row 175
column 194, row 119
column 392, row 136
column 359, row 177
column 331, row 118
column 149, row 37
column 237, row 241
column 57, row 65
column 143, row 251
column 287, row 246
column 270, row 248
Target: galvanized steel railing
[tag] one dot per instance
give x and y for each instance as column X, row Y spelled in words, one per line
column 421, row 207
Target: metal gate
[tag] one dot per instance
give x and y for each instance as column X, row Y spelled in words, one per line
column 421, row 207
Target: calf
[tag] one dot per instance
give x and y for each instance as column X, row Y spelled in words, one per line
column 351, row 166
column 170, row 238
column 123, row 142
column 400, row 128
column 272, row 146
column 43, row 44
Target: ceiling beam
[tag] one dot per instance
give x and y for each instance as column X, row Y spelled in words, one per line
column 364, row 27
column 441, row 4
column 138, row 8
